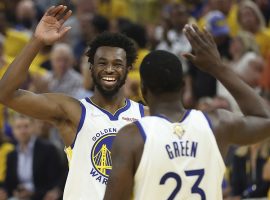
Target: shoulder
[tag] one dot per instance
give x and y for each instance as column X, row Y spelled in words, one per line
column 129, row 129
column 128, row 136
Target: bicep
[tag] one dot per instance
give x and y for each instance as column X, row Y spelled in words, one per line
column 50, row 107
column 242, row 130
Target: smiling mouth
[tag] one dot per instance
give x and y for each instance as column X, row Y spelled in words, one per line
column 109, row 79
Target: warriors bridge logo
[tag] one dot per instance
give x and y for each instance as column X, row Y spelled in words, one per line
column 101, row 158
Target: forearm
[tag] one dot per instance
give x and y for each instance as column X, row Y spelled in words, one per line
column 18, row 70
column 249, row 102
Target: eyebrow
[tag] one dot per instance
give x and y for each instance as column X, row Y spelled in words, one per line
column 115, row 60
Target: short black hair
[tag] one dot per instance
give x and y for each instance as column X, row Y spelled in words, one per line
column 113, row 40
column 162, row 72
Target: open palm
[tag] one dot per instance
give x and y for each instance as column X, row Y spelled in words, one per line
column 50, row 28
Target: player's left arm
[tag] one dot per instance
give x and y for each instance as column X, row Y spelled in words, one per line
column 124, row 158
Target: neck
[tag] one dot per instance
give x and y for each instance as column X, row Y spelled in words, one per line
column 109, row 103
column 24, row 145
column 168, row 106
column 60, row 75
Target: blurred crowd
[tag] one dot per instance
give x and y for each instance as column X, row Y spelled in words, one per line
column 241, row 31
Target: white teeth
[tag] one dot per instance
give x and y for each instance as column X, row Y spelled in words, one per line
column 108, row 79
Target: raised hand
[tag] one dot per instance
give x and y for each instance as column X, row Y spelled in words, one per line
column 50, row 28
column 206, row 56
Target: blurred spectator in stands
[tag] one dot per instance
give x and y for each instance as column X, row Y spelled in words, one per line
column 170, row 34
column 84, row 10
column 113, row 9
column 26, row 16
column 7, row 8
column 64, row 78
column 266, row 174
column 5, row 149
column 251, row 20
column 136, row 32
column 89, row 30
column 264, row 6
column 241, row 44
column 245, row 54
column 34, row 168
column 149, row 10
column 119, row 24
column 229, row 9
column 250, row 69
column 198, row 83
column 195, row 7
column 247, row 169
column 218, row 27
column 14, row 40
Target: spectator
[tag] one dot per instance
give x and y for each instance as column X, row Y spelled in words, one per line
column 5, row 149
column 64, row 78
column 198, row 83
column 247, row 168
column 84, row 10
column 173, row 39
column 26, row 16
column 266, row 174
column 132, row 86
column 34, row 167
column 90, row 28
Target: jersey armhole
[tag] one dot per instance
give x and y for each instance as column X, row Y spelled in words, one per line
column 208, row 120
column 141, row 130
column 141, row 107
column 80, row 123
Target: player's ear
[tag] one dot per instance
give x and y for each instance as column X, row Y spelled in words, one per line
column 129, row 67
column 90, row 67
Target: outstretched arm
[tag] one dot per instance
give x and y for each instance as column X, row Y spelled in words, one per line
column 49, row 107
column 126, row 154
column 228, row 127
column 241, row 130
column 61, row 110
column 206, row 57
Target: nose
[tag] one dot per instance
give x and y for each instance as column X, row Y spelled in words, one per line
column 109, row 68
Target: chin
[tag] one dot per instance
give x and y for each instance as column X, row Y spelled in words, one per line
column 108, row 92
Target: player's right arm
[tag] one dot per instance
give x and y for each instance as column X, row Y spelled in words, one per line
column 229, row 128
column 51, row 107
column 207, row 58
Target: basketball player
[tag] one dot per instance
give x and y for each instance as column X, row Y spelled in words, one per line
column 95, row 120
column 177, row 153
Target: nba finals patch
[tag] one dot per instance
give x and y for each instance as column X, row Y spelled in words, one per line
column 178, row 130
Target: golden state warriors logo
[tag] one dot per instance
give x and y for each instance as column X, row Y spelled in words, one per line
column 101, row 155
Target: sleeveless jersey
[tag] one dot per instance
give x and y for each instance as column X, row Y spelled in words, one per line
column 91, row 162
column 180, row 161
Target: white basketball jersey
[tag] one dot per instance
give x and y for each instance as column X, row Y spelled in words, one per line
column 91, row 162
column 180, row 161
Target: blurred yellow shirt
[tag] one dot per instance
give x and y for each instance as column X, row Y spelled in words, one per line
column 134, row 74
column 113, row 9
column 263, row 40
column 5, row 148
